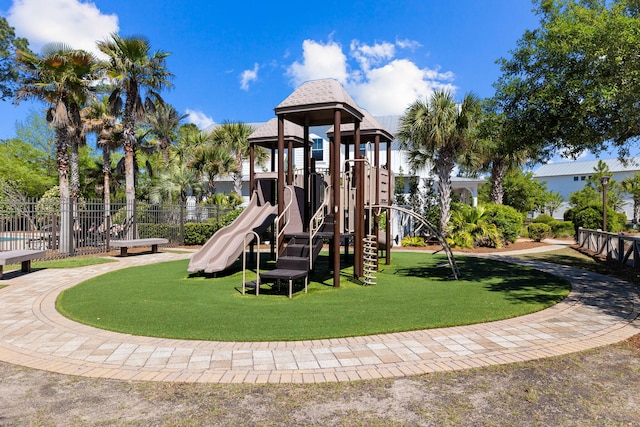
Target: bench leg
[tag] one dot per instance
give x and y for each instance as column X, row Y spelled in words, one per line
column 124, row 251
column 290, row 288
column 1, row 266
column 26, row 266
column 154, row 249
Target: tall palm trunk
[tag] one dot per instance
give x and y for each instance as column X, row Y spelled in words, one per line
column 443, row 169
column 106, row 172
column 498, row 170
column 62, row 158
column 165, row 143
column 237, row 175
column 129, row 141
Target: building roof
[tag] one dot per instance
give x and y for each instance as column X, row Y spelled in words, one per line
column 586, row 167
column 267, row 134
column 368, row 127
column 314, row 103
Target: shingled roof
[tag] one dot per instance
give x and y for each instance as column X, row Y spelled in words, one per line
column 267, row 134
column 314, row 102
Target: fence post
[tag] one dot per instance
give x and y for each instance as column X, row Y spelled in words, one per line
column 182, row 207
column 620, row 247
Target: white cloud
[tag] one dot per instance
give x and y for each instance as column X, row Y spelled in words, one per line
column 390, row 89
column 320, row 61
column 73, row 22
column 407, row 44
column 367, row 55
column 199, row 119
column 378, row 82
column 249, row 76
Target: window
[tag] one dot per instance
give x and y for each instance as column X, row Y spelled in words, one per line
column 583, row 178
column 317, row 149
column 575, row 178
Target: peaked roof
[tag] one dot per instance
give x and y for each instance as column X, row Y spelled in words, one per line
column 267, row 134
column 586, row 167
column 314, row 102
column 369, row 126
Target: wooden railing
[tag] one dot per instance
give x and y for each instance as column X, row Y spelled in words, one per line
column 616, row 247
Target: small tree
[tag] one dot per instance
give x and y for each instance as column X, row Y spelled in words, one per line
column 631, row 186
column 553, row 202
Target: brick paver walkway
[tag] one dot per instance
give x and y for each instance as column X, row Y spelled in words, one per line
column 599, row 311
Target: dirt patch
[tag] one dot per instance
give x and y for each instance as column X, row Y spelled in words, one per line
column 598, row 387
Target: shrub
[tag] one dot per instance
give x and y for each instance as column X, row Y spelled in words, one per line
column 197, row 233
column 561, row 229
column 591, row 217
column 544, row 219
column 166, row 231
column 538, row 231
column 507, row 219
column 413, row 241
column 470, row 227
column 569, row 214
column 230, row 217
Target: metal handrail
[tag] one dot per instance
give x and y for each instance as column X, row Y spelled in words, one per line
column 280, row 231
column 316, row 222
column 253, row 235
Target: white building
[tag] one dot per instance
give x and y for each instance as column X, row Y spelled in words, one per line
column 569, row 177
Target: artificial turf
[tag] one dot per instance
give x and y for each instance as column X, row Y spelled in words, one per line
column 415, row 292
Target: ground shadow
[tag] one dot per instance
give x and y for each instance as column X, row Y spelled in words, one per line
column 520, row 285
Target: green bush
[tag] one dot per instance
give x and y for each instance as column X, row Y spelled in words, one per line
column 538, row 231
column 591, row 217
column 588, row 217
column 507, row 219
column 166, row 231
column 197, row 233
column 545, row 219
column 560, row 229
column 230, row 217
column 471, row 227
column 569, row 214
column 413, row 241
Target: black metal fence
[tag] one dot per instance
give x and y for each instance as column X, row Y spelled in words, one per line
column 68, row 228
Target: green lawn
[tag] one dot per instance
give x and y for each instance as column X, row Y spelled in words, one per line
column 71, row 262
column 413, row 293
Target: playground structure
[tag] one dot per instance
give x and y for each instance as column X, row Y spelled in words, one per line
column 304, row 208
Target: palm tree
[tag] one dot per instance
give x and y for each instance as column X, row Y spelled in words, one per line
column 98, row 118
column 437, row 133
column 234, row 136
column 133, row 68
column 496, row 152
column 209, row 159
column 164, row 121
column 63, row 78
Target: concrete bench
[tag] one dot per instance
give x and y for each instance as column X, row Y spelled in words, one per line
column 124, row 245
column 23, row 256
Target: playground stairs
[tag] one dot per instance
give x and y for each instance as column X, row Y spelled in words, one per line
column 295, row 260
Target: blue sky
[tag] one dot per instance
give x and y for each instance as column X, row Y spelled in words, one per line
column 237, row 61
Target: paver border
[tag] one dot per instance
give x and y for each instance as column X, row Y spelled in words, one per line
column 600, row 310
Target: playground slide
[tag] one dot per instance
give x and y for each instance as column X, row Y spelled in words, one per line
column 227, row 244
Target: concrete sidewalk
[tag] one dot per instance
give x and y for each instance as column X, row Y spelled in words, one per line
column 599, row 311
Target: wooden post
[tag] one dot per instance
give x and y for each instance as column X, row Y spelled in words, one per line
column 335, row 180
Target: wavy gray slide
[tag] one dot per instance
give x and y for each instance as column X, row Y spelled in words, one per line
column 227, row 244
